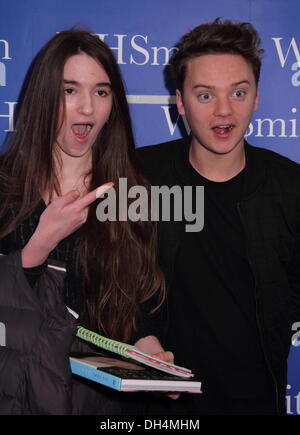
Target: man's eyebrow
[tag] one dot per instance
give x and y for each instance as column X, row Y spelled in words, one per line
column 75, row 83
column 200, row 85
column 241, row 82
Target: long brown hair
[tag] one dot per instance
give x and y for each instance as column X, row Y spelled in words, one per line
column 116, row 261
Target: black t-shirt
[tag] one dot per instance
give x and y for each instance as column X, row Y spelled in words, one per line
column 212, row 311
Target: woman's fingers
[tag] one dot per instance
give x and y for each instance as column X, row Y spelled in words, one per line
column 71, row 196
column 87, row 199
column 104, row 188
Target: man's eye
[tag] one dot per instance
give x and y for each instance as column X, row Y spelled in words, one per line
column 239, row 93
column 205, row 97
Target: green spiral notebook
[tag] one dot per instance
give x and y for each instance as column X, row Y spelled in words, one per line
column 129, row 351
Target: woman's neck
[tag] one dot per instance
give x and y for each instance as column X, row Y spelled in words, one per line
column 72, row 174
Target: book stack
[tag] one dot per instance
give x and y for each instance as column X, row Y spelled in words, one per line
column 132, row 370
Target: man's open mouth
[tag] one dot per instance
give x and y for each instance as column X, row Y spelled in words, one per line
column 221, row 129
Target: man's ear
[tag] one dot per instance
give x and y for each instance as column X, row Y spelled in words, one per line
column 256, row 99
column 179, row 102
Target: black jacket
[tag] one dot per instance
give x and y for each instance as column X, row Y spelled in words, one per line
column 270, row 214
column 36, row 341
column 37, row 334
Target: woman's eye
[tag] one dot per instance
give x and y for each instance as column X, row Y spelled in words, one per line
column 102, row 93
column 68, row 91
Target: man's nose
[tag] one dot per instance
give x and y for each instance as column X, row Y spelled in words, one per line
column 223, row 107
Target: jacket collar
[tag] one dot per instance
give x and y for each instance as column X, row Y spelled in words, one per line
column 255, row 170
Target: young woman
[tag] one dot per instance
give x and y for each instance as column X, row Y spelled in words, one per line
column 73, row 134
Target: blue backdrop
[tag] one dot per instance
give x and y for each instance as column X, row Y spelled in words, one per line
column 142, row 34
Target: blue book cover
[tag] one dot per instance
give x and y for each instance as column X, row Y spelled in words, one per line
column 87, row 370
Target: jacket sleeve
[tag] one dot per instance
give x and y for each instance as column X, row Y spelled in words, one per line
column 35, row 376
column 294, row 271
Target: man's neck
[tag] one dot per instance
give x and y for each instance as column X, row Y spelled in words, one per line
column 217, row 167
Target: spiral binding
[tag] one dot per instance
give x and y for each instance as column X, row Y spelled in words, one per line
column 103, row 342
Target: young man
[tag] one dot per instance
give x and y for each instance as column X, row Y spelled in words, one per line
column 233, row 288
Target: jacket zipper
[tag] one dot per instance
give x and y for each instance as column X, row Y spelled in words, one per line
column 256, row 311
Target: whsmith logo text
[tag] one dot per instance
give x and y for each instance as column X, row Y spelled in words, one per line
column 289, row 56
column 138, row 50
